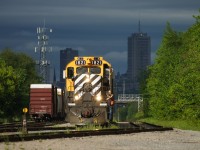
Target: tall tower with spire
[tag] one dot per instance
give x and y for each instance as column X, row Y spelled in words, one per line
column 139, row 56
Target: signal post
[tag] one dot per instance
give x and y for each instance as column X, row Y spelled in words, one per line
column 24, row 121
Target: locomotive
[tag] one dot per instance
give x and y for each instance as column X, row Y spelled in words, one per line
column 89, row 90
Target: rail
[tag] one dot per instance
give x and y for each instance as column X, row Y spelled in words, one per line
column 123, row 128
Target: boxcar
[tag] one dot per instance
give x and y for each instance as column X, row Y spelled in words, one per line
column 43, row 102
column 60, row 104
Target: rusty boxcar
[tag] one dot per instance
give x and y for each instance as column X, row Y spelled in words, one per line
column 45, row 102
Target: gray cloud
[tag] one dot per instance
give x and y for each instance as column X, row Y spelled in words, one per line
column 95, row 27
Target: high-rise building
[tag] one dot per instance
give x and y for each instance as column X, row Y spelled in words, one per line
column 139, row 57
column 66, row 56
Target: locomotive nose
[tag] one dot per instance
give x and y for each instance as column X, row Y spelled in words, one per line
column 87, row 87
column 87, row 113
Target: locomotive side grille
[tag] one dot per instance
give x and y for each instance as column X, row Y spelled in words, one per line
column 80, row 80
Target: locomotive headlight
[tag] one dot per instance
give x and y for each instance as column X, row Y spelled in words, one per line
column 98, row 98
column 76, row 97
column 87, row 78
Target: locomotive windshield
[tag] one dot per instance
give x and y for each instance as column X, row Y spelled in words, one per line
column 95, row 70
column 91, row 70
column 81, row 70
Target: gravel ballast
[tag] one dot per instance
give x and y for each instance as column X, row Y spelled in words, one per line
column 165, row 140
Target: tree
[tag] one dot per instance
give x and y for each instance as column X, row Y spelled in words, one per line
column 190, row 71
column 22, row 68
column 7, row 89
column 174, row 81
column 162, row 73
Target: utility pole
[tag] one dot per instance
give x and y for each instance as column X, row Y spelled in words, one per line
column 43, row 49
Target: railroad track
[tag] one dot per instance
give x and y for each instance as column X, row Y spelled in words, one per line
column 32, row 126
column 63, row 132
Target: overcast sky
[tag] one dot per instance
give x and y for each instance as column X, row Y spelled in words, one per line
column 94, row 27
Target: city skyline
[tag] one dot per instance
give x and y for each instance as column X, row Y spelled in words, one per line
column 98, row 28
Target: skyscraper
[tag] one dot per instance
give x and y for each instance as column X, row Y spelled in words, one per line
column 139, row 56
column 66, row 56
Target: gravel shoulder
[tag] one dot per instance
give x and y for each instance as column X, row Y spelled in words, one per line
column 165, row 140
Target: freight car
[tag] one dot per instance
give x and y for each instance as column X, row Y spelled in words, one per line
column 60, row 104
column 89, row 90
column 46, row 102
